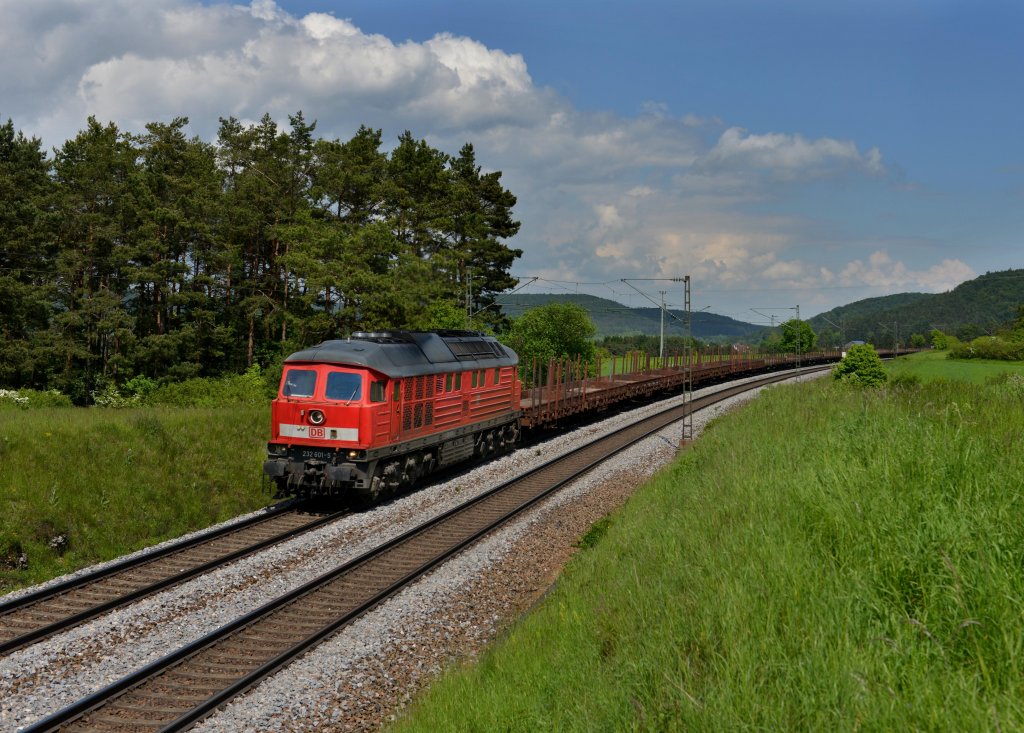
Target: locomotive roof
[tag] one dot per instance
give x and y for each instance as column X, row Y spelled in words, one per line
column 411, row 353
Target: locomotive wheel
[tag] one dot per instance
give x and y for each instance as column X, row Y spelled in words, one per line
column 411, row 472
column 369, row 496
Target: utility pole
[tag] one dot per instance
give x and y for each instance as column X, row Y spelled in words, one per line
column 661, row 347
column 688, row 353
column 799, row 337
column 688, row 374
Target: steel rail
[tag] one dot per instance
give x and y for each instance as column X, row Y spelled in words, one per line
column 487, row 511
column 27, row 604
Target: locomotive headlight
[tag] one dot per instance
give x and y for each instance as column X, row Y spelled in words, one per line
column 316, row 417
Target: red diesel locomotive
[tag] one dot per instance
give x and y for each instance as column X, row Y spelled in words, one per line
column 367, row 416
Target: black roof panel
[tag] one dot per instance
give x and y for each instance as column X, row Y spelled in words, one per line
column 410, row 353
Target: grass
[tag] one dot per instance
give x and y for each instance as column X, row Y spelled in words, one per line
column 932, row 365
column 113, row 481
column 859, row 569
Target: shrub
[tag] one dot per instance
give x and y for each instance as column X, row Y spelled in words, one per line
column 30, row 398
column 140, row 386
column 11, row 398
column 48, row 398
column 988, row 347
column 940, row 341
column 249, row 388
column 108, row 395
column 861, row 366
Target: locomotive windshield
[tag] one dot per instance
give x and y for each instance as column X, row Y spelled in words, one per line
column 299, row 383
column 344, row 386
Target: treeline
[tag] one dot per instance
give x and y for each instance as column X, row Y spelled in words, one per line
column 1004, row 344
column 621, row 345
column 164, row 256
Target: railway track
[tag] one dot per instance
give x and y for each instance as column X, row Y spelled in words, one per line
column 187, row 685
column 35, row 616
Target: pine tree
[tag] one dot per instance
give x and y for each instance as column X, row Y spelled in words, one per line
column 26, row 257
column 91, row 338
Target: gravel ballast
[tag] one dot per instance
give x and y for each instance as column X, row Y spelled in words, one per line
column 364, row 674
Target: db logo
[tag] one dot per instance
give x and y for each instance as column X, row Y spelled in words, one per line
column 317, row 433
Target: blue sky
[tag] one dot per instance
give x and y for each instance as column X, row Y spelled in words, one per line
column 780, row 153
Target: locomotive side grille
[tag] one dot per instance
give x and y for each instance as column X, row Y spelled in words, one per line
column 429, row 418
column 418, row 418
column 430, row 386
column 419, row 387
column 408, row 388
column 407, row 418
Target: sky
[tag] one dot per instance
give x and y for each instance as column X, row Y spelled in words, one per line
column 780, row 154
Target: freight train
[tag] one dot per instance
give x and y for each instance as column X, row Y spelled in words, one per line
column 368, row 416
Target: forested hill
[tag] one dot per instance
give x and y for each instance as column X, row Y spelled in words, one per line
column 614, row 319
column 968, row 310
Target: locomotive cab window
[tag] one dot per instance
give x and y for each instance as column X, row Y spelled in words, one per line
column 299, row 383
column 344, row 386
column 377, row 393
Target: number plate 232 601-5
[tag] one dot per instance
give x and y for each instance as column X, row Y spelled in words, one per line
column 316, row 455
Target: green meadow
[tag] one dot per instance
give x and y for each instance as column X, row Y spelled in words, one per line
column 932, row 365
column 81, row 485
column 827, row 558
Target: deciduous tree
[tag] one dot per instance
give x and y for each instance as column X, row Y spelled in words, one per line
column 553, row 331
column 861, row 366
column 797, row 336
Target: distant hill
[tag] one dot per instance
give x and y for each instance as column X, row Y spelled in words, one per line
column 615, row 319
column 968, row 310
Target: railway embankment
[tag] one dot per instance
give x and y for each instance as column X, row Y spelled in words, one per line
column 80, row 486
column 827, row 558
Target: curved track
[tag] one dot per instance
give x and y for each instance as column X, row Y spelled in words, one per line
column 53, row 609
column 182, row 688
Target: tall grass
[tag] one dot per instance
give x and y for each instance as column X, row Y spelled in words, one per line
column 857, row 566
column 81, row 485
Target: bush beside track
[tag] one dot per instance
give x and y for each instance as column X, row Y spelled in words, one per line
column 858, row 568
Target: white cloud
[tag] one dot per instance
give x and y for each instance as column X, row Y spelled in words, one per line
column 601, row 196
column 136, row 62
column 790, row 156
column 881, row 270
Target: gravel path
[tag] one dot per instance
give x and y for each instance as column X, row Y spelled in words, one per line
column 360, row 677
